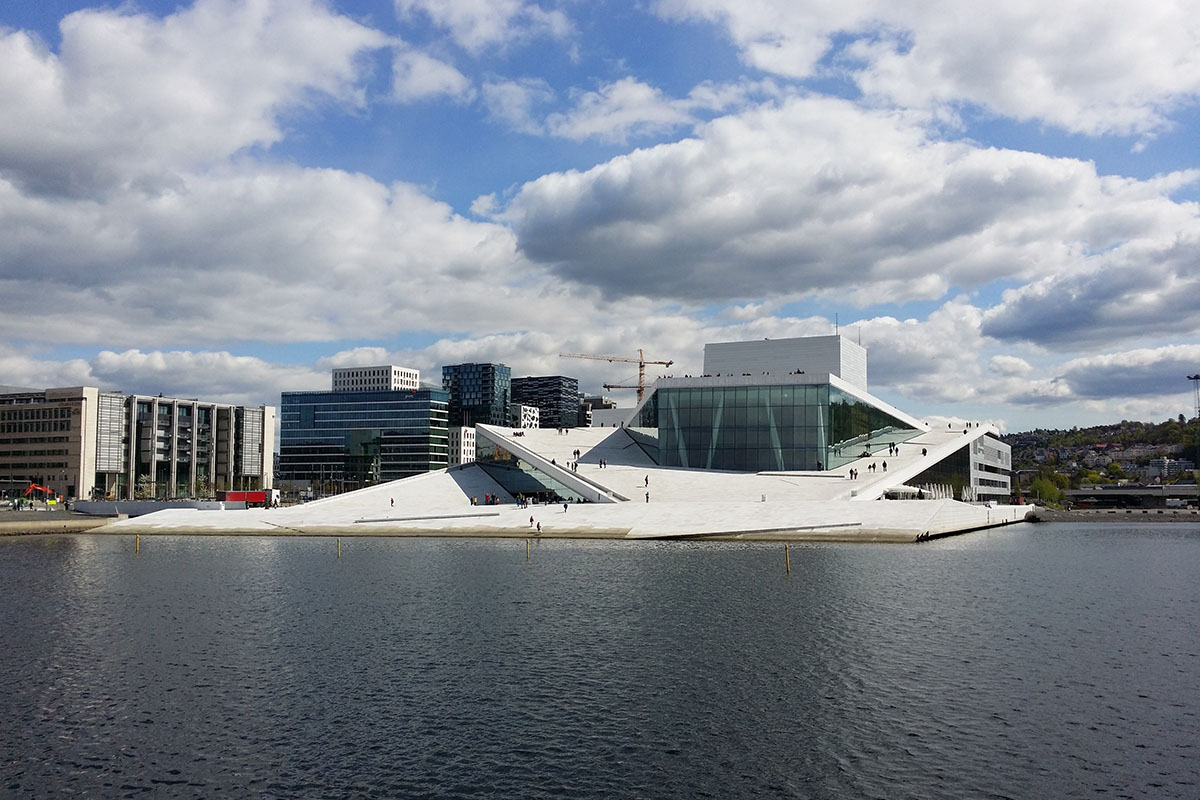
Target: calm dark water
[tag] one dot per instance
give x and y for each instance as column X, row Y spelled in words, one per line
column 1035, row 661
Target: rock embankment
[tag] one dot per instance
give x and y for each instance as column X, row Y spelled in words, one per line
column 1119, row 515
column 23, row 523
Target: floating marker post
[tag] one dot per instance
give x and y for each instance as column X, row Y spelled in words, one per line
column 787, row 559
column 526, row 549
column 339, row 548
column 137, row 543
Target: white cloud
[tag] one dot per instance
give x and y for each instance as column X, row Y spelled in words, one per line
column 820, row 198
column 513, row 102
column 479, row 24
column 618, row 110
column 1009, row 366
column 131, row 98
column 272, row 254
column 418, row 76
column 628, row 107
column 214, row 376
column 1145, row 287
column 1119, row 67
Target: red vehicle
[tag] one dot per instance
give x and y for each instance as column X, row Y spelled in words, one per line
column 48, row 494
column 251, row 497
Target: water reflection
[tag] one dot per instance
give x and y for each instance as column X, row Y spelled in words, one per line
column 217, row 666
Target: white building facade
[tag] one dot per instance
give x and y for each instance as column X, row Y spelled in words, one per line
column 462, row 444
column 384, row 377
column 808, row 355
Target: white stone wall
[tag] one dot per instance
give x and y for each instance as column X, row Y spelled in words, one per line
column 814, row 355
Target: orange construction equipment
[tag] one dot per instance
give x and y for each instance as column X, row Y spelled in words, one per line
column 33, row 486
column 640, row 361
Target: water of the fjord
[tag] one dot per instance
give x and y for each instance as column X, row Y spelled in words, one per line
column 1053, row 660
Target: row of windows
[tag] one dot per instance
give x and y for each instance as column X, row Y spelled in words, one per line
column 33, row 465
column 421, row 406
column 35, row 453
column 45, row 426
column 36, row 440
column 37, row 412
column 333, row 415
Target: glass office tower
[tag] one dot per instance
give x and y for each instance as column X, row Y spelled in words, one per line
column 343, row 440
column 479, row 393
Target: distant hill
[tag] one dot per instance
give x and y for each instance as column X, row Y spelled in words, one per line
column 1030, row 447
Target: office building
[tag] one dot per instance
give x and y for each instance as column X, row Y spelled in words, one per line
column 478, row 393
column 332, row 441
column 462, row 444
column 385, row 377
column 83, row 443
column 557, row 398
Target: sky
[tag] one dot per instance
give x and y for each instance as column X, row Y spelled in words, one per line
column 226, row 199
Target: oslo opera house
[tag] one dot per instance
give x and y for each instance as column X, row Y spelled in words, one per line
column 777, row 439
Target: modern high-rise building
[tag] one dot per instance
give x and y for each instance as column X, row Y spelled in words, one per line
column 335, row 441
column 556, row 397
column 83, row 443
column 479, row 393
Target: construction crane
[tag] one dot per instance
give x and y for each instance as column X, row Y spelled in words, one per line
column 1195, row 379
column 641, row 361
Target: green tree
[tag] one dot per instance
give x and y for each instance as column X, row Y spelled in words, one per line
column 1046, row 489
column 1114, row 471
column 144, row 488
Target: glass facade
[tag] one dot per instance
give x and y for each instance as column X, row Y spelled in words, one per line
column 347, row 439
column 763, row 428
column 520, row 478
column 953, row 472
column 478, row 393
